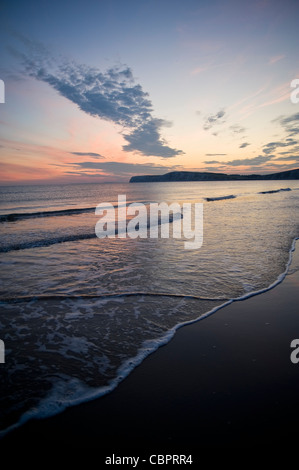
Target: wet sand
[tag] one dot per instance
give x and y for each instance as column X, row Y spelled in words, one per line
column 222, row 383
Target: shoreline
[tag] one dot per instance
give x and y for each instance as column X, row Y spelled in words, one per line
column 213, row 376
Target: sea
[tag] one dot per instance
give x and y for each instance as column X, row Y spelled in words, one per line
column 79, row 313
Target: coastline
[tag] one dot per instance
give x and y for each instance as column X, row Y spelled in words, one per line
column 179, row 176
column 225, row 382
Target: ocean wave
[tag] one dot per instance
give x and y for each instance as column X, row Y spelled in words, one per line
column 220, row 198
column 43, row 297
column 32, row 215
column 46, row 242
column 275, row 191
column 234, row 196
column 16, row 216
column 75, row 237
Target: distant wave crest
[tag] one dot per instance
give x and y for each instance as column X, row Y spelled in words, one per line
column 75, row 237
column 220, row 198
column 275, row 191
column 33, row 215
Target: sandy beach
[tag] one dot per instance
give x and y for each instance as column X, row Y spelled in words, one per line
column 224, row 382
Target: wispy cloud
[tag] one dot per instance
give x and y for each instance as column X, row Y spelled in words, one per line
column 249, row 98
column 277, row 95
column 263, row 97
column 119, row 168
column 272, row 146
column 214, row 119
column 200, row 69
column 269, row 161
column 87, row 154
column 288, row 158
column 293, row 151
column 244, row 145
column 215, row 154
column 289, row 119
column 289, row 123
column 275, row 59
column 292, row 131
column 112, row 95
column 260, row 160
column 237, row 129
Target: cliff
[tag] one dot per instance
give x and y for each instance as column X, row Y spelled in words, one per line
column 204, row 176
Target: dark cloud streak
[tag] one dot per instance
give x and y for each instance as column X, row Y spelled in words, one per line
column 272, row 146
column 87, row 154
column 215, row 154
column 244, row 145
column 260, row 160
column 290, row 157
column 289, row 123
column 123, row 168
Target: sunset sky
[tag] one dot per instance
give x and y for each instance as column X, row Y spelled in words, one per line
column 103, row 90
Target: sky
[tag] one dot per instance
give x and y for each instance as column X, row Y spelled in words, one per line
column 99, row 91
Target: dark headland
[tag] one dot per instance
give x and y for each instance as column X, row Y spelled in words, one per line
column 203, row 176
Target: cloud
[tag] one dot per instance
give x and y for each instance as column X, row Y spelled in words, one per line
column 286, row 120
column 294, row 150
column 268, row 160
column 87, row 154
column 215, row 154
column 272, row 146
column 237, row 129
column 199, row 70
column 244, row 145
column 219, row 119
column 276, row 167
column 122, row 168
column 112, row 95
column 214, row 119
column 260, row 160
column 222, row 168
column 146, row 140
column 289, row 123
column 292, row 131
column 275, row 59
column 290, row 157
